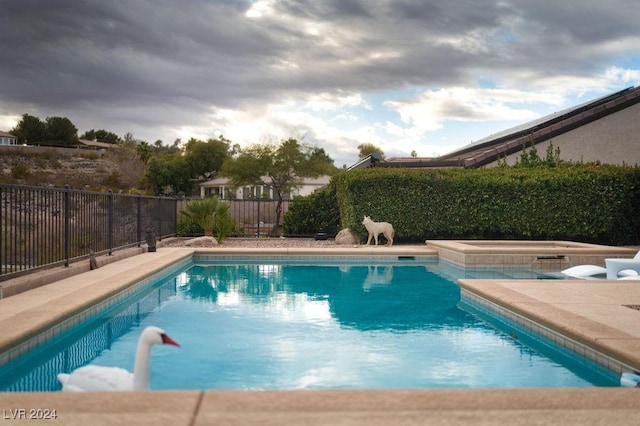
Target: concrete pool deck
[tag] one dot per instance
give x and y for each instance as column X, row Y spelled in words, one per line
column 584, row 310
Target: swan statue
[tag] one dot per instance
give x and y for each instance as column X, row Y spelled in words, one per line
column 98, row 378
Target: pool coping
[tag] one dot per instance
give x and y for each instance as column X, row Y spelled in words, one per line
column 610, row 347
column 576, row 307
column 556, row 255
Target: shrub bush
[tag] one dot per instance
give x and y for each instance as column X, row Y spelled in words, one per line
column 314, row 213
column 592, row 203
column 187, row 228
column 20, row 171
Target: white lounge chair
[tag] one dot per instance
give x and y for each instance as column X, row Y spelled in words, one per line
column 630, row 277
column 617, row 266
column 584, row 271
column 626, row 268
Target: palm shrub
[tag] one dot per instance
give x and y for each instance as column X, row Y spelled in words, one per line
column 211, row 215
column 224, row 224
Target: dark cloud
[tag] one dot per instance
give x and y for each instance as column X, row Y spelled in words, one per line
column 589, row 21
column 147, row 64
column 57, row 55
column 329, row 10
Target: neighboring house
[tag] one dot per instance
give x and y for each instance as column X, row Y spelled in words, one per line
column 605, row 130
column 86, row 144
column 371, row 160
column 221, row 187
column 8, row 139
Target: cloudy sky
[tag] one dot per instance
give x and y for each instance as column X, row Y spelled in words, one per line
column 428, row 76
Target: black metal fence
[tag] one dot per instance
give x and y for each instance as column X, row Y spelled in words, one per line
column 42, row 227
column 253, row 218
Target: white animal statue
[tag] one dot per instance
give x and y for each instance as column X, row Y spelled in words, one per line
column 376, row 228
column 92, row 378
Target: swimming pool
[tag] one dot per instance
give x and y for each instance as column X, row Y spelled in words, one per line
column 308, row 325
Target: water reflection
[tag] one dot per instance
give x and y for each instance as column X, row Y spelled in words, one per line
column 198, row 285
column 366, row 297
column 206, row 282
column 377, row 276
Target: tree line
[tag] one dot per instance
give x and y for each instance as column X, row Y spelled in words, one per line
column 175, row 169
column 280, row 165
column 53, row 131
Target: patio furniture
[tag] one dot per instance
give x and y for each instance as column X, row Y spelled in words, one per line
column 617, row 265
column 630, row 277
column 584, row 271
column 614, row 266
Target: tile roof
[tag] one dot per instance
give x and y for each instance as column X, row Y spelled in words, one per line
column 97, row 144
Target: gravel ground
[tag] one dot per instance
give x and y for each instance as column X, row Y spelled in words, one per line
column 248, row 242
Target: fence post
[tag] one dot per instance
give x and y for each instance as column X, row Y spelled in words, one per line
column 110, row 230
column 175, row 218
column 139, row 219
column 159, row 217
column 67, row 205
column 258, row 219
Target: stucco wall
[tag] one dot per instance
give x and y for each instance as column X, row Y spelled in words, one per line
column 614, row 139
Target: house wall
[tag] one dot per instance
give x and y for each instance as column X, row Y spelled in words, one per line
column 614, row 139
column 5, row 140
column 243, row 193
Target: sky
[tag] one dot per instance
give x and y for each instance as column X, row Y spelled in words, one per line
column 421, row 76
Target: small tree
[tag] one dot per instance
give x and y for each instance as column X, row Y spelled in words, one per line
column 168, row 173
column 531, row 158
column 60, row 131
column 278, row 166
column 30, row 130
column 205, row 158
column 144, row 151
column 366, row 149
column 101, row 135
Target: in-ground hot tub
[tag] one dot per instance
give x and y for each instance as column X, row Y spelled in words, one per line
column 554, row 255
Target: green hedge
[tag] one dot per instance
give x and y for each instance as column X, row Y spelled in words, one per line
column 591, row 203
column 315, row 213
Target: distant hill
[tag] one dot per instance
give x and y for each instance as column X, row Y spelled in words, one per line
column 119, row 170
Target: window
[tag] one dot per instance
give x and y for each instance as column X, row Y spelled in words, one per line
column 266, row 192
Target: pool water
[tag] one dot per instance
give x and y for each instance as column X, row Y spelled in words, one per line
column 307, row 326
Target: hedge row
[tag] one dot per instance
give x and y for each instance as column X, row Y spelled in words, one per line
column 591, row 203
column 312, row 214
